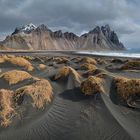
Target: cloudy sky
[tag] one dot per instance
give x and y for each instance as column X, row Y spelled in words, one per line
column 77, row 16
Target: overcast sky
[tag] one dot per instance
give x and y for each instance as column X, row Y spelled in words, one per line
column 77, row 16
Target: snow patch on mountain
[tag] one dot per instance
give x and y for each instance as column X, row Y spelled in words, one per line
column 25, row 29
column 29, row 27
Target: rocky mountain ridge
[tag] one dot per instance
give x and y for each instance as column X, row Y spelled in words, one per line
column 30, row 37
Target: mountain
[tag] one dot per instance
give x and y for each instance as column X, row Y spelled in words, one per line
column 30, row 37
column 25, row 29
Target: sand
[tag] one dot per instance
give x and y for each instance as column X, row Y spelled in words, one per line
column 71, row 114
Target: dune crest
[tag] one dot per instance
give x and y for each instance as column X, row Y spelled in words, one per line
column 65, row 71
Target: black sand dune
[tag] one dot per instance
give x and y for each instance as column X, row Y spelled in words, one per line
column 71, row 115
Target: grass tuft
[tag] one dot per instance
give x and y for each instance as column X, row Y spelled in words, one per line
column 89, row 60
column 15, row 76
column 133, row 65
column 60, row 60
column 127, row 87
column 66, row 71
column 40, row 92
column 89, row 67
column 41, row 67
column 17, row 61
column 6, row 107
column 92, row 85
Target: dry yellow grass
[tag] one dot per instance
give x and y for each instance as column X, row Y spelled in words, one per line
column 65, row 71
column 89, row 72
column 15, row 76
column 89, row 67
column 127, row 87
column 18, row 61
column 21, row 62
column 131, row 65
column 6, row 107
column 40, row 92
column 89, row 60
column 41, row 59
column 41, row 67
column 2, row 60
column 76, row 76
column 92, row 85
column 60, row 60
column 76, row 59
column 28, row 57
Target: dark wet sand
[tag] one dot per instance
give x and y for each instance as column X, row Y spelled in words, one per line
column 71, row 115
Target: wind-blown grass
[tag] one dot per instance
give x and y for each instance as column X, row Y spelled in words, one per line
column 40, row 92
column 92, row 85
column 17, row 61
column 15, row 76
column 66, row 71
column 41, row 67
column 89, row 67
column 89, row 60
column 6, row 107
column 127, row 87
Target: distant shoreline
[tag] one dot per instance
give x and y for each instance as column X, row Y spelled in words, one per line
column 69, row 52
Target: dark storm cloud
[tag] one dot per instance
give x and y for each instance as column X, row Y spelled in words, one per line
column 73, row 15
column 10, row 15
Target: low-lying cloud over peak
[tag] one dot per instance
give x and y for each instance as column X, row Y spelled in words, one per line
column 77, row 16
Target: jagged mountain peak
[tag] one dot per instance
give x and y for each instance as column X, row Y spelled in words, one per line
column 98, row 29
column 41, row 37
column 58, row 34
column 28, row 28
column 42, row 27
column 106, row 27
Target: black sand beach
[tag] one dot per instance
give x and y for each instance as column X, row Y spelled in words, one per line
column 71, row 114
